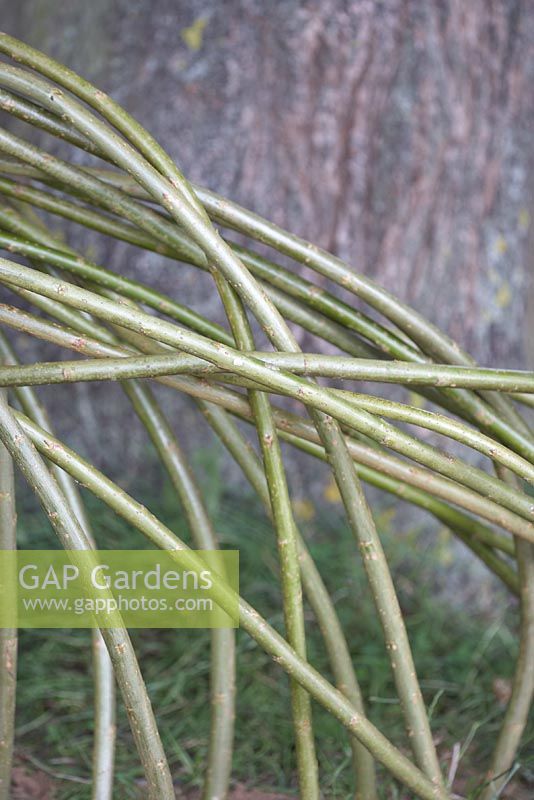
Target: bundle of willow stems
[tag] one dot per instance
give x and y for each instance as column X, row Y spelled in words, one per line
column 126, row 330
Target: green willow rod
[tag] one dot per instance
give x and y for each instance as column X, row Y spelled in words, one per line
column 263, row 307
column 71, row 262
column 322, row 366
column 325, row 612
column 118, row 643
column 185, row 213
column 438, row 375
column 373, row 456
column 8, row 636
column 243, row 255
column 377, row 406
column 287, row 544
column 274, row 644
column 339, row 367
column 301, row 316
column 405, row 487
column 402, row 664
column 97, row 99
column 255, row 263
column 291, row 308
column 52, row 125
column 104, row 680
column 138, row 366
column 306, row 364
column 420, row 726
column 229, row 262
column 247, row 460
column 379, row 459
column 465, row 527
column 119, row 369
column 294, row 310
column 75, row 344
column 39, row 118
column 222, row 671
column 381, row 584
column 419, row 330
column 525, row 399
column 518, row 709
column 222, row 668
column 452, row 429
column 267, row 271
column 461, row 526
column 316, row 592
column 83, row 215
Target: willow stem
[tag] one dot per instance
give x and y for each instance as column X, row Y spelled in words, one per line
column 223, row 640
column 285, row 528
column 8, row 636
column 517, row 711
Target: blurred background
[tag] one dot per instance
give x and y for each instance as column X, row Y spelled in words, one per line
column 395, row 133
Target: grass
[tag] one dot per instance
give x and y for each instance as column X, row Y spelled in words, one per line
column 463, row 656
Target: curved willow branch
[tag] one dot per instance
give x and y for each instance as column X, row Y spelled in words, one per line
column 315, row 589
column 471, row 405
column 223, row 641
column 309, row 364
column 520, row 702
column 8, row 636
column 154, row 366
column 286, row 537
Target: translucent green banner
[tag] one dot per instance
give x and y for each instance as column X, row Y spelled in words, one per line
column 114, row 588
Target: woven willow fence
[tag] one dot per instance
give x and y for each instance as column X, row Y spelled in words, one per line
column 138, row 195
